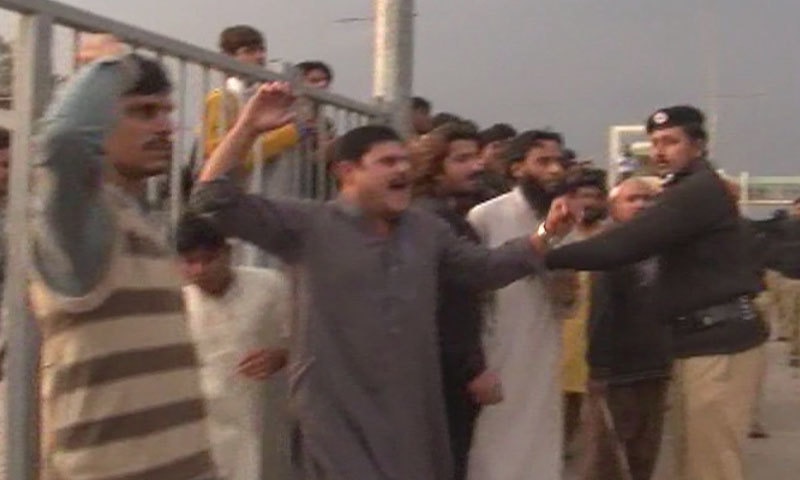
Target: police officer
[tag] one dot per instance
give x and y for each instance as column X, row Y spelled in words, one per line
column 704, row 289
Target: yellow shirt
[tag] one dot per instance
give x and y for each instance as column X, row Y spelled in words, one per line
column 217, row 122
column 575, row 369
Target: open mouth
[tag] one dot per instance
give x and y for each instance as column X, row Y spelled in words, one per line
column 399, row 185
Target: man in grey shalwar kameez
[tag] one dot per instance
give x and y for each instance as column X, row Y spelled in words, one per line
column 365, row 380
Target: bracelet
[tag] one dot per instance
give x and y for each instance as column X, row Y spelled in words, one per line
column 548, row 238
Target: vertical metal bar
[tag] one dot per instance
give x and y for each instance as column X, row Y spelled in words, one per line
column 744, row 187
column 178, row 153
column 301, row 185
column 222, row 126
column 320, row 174
column 614, row 149
column 394, row 59
column 200, row 154
column 76, row 45
column 251, row 253
column 32, row 88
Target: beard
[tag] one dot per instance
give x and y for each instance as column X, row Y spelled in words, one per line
column 538, row 197
column 592, row 216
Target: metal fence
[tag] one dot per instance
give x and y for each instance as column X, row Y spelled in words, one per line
column 43, row 35
column 757, row 192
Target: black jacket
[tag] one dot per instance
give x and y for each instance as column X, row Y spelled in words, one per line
column 696, row 231
column 459, row 311
column 627, row 340
column 786, row 251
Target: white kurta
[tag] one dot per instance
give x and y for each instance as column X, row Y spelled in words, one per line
column 253, row 314
column 521, row 437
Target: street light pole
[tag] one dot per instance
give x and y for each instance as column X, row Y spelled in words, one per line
column 394, row 60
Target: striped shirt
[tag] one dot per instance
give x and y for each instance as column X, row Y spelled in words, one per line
column 119, row 382
column 120, row 390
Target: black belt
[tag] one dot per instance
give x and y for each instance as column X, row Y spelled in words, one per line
column 740, row 309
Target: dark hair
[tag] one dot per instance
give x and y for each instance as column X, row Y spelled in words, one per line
column 430, row 150
column 5, row 139
column 496, row 133
column 525, row 141
column 471, row 124
column 355, row 143
column 419, row 103
column 445, row 117
column 152, row 79
column 195, row 232
column 586, row 177
column 796, row 201
column 310, row 65
column 233, row 38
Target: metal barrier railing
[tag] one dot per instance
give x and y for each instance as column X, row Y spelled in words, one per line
column 756, row 191
column 44, row 43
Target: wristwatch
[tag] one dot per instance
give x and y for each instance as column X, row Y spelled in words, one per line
column 548, row 238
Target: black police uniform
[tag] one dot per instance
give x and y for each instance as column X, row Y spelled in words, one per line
column 706, row 279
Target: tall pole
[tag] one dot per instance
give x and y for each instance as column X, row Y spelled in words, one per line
column 32, row 87
column 394, row 60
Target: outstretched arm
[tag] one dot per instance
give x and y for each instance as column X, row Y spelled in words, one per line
column 684, row 211
column 479, row 267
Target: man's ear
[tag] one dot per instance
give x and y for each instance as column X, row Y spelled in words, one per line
column 342, row 171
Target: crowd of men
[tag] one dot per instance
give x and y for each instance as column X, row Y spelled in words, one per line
column 469, row 304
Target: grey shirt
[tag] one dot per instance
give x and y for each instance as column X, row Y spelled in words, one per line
column 365, row 378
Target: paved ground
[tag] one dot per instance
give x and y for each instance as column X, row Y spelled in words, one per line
column 775, row 458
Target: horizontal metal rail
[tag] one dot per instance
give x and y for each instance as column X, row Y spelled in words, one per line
column 86, row 21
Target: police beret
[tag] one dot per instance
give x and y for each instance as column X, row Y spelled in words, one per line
column 676, row 116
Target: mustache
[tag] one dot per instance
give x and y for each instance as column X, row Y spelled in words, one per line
column 400, row 181
column 158, row 145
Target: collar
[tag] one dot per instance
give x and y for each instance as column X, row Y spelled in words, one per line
column 695, row 166
column 347, row 207
column 356, row 214
column 231, row 295
column 122, row 198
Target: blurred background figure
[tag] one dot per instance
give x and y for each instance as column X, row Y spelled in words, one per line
column 421, row 121
column 494, row 144
column 91, row 46
column 239, row 320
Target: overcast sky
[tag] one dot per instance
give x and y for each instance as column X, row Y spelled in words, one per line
column 578, row 66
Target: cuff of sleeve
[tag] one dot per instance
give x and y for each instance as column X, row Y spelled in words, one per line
column 530, row 255
column 215, row 195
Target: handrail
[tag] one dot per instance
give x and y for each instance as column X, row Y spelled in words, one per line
column 83, row 20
